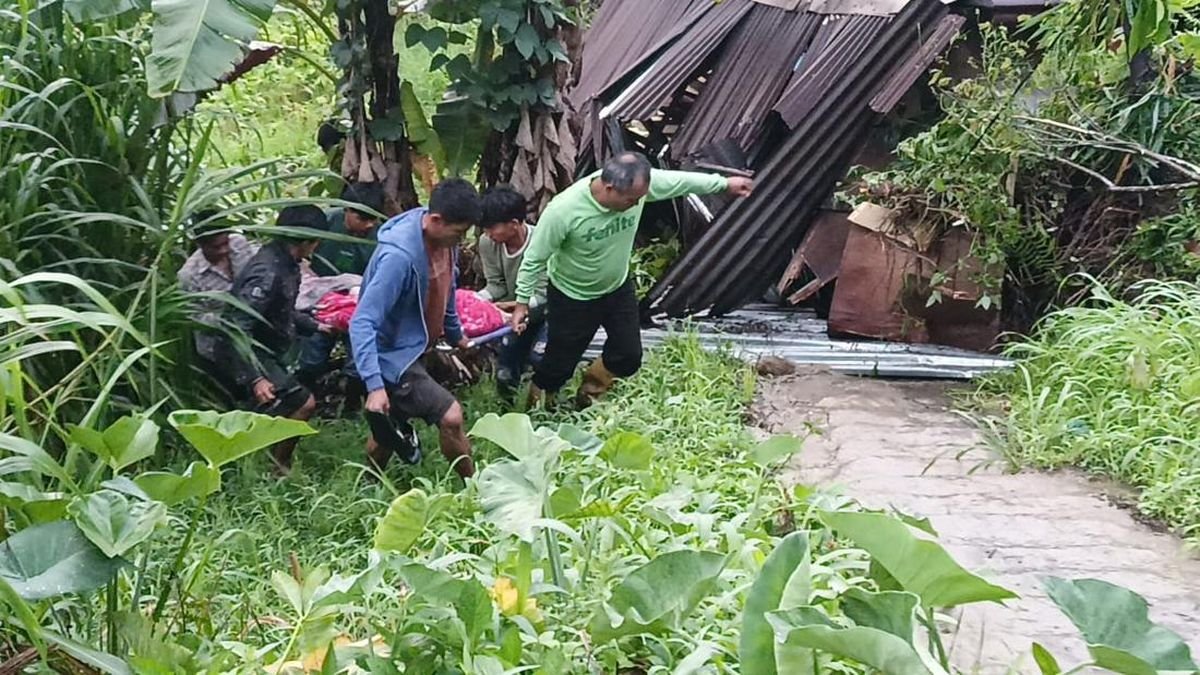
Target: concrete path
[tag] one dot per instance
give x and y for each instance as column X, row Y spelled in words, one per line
column 1014, row 529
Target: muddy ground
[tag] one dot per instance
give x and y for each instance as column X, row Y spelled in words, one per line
column 877, row 441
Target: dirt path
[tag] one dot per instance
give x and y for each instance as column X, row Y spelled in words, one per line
column 878, row 439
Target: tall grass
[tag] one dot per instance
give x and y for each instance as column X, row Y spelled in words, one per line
column 1113, row 386
column 98, row 182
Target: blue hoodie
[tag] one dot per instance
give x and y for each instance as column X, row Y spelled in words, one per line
column 388, row 332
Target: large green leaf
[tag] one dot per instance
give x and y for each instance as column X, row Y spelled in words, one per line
column 512, row 432
column 115, row 523
column 48, row 560
column 584, row 441
column 129, row 440
column 628, row 450
column 468, row 597
column 197, row 42
column 222, row 438
column 464, row 132
column 775, row 449
column 86, row 11
column 514, row 495
column 888, row 611
column 918, row 563
column 878, row 649
column 404, row 522
column 420, row 132
column 657, row 595
column 515, row 435
column 784, row 582
column 882, row 636
column 199, row 480
column 1115, row 623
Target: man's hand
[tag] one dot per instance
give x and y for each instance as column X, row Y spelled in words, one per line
column 739, row 186
column 264, row 391
column 520, row 314
column 326, row 329
column 378, row 401
column 506, row 306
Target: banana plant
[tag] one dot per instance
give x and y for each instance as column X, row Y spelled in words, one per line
column 194, row 43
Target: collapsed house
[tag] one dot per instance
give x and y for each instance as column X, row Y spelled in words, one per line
column 792, row 92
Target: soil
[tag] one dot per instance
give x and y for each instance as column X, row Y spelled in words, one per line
column 899, row 444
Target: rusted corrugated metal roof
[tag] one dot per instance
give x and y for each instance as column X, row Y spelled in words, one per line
column 918, row 64
column 749, row 244
column 626, row 32
column 757, row 63
column 678, row 64
column 846, row 38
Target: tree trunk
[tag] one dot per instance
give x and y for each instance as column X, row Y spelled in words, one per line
column 399, row 189
column 537, row 154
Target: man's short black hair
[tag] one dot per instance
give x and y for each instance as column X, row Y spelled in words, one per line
column 502, row 204
column 203, row 225
column 369, row 195
column 306, row 216
column 456, row 201
column 329, row 135
column 625, row 170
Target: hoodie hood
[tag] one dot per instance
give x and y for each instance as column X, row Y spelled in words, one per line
column 404, row 231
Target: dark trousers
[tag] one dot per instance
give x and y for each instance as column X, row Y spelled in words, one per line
column 573, row 324
column 519, row 351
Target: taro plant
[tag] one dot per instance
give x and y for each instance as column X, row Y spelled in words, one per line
column 787, row 628
column 1115, row 624
column 77, row 522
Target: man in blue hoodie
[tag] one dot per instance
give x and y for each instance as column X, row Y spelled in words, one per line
column 405, row 306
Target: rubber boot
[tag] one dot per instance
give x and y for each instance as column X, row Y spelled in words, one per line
column 597, row 380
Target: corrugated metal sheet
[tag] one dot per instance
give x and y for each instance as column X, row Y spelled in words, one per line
column 626, row 36
column 800, row 337
column 918, row 64
column 848, row 37
column 627, row 32
column 756, row 64
column 751, row 242
column 678, row 64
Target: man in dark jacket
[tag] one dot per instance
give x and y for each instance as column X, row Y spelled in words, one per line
column 405, row 306
column 269, row 285
column 335, row 257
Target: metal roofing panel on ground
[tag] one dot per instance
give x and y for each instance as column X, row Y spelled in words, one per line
column 798, row 336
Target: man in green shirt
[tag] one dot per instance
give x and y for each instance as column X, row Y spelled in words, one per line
column 584, row 242
column 343, row 257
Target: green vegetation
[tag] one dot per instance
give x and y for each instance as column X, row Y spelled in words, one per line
column 1065, row 151
column 1112, row 386
column 646, row 534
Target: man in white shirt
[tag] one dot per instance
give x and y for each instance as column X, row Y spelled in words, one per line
column 501, row 250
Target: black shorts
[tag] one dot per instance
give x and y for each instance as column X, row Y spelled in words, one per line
column 290, row 395
column 417, row 396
